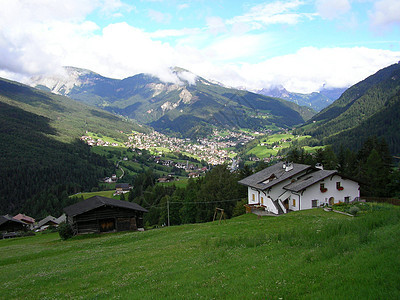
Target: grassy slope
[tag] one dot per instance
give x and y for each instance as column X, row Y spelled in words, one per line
column 263, row 151
column 310, row 254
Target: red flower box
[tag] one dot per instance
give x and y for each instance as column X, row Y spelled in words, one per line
column 340, row 188
column 324, row 190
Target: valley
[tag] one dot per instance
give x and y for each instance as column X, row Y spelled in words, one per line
column 185, row 130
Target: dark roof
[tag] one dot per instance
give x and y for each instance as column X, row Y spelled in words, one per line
column 6, row 218
column 309, row 180
column 277, row 171
column 99, row 201
column 122, row 186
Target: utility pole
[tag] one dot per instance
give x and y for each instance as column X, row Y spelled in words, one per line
column 168, row 211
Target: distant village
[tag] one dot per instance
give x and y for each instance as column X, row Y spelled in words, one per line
column 214, row 149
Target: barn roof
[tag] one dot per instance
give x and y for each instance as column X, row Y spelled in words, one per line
column 99, row 201
column 49, row 220
column 6, row 218
column 24, row 218
column 309, row 180
column 277, row 173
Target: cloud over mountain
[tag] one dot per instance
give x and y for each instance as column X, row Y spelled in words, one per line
column 251, row 47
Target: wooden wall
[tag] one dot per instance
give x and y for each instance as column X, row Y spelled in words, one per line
column 107, row 218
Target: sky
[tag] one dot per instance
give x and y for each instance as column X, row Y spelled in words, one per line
column 303, row 45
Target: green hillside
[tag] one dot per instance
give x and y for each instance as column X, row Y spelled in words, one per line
column 41, row 157
column 302, row 255
column 371, row 107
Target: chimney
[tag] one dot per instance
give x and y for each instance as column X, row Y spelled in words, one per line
column 289, row 166
column 319, row 166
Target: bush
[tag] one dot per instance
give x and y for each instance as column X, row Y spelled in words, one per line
column 65, row 231
column 354, row 210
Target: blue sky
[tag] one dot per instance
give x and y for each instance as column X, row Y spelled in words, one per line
column 302, row 45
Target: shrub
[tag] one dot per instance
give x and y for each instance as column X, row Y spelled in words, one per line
column 354, row 210
column 65, row 231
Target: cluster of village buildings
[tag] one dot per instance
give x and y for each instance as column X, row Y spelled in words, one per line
column 10, row 226
column 212, row 149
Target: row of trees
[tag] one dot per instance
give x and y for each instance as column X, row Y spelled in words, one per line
column 194, row 203
column 372, row 166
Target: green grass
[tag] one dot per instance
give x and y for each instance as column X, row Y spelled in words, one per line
column 302, row 255
column 262, row 151
column 108, row 194
column 106, row 138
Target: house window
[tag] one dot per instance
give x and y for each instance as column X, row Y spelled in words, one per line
column 294, row 202
column 253, row 197
column 322, row 187
column 338, row 186
column 262, row 201
column 314, row 203
column 346, row 199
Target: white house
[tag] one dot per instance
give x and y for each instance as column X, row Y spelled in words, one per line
column 286, row 187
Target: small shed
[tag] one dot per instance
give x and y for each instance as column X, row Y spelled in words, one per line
column 102, row 214
column 9, row 224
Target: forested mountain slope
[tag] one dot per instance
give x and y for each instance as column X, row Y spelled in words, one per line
column 371, row 107
column 190, row 104
column 41, row 157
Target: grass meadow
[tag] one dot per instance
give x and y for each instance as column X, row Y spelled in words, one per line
column 302, row 255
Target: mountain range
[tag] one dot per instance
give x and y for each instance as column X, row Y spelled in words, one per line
column 369, row 108
column 315, row 100
column 190, row 107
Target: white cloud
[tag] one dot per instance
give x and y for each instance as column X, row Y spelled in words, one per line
column 159, row 17
column 236, row 47
column 164, row 33
column 40, row 42
column 385, row 13
column 182, row 6
column 331, row 9
column 311, row 68
column 216, row 25
column 278, row 12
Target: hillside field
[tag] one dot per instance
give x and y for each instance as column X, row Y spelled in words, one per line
column 301, row 255
column 271, row 145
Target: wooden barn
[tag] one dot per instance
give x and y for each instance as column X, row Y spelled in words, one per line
column 9, row 224
column 101, row 214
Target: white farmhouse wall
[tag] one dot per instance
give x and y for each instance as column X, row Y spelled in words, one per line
column 350, row 189
column 256, row 194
